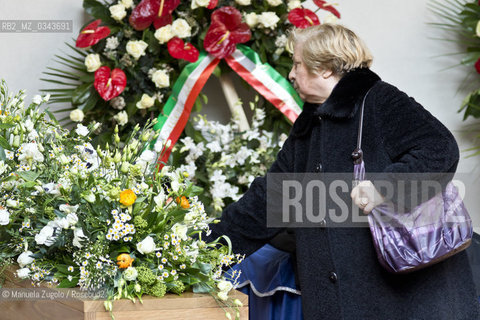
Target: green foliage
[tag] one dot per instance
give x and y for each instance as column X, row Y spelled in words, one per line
column 461, row 19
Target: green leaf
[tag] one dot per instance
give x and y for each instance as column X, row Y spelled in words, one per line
column 65, row 283
column 60, row 75
column 81, row 94
column 51, row 116
column 91, row 102
column 28, row 175
column 98, row 11
column 3, row 156
column 29, row 184
column 4, row 143
column 201, row 288
column 6, row 125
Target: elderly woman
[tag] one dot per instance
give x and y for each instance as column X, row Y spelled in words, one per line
column 338, row 271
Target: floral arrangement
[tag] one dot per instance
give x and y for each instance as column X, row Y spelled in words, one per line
column 462, row 18
column 126, row 61
column 224, row 160
column 73, row 215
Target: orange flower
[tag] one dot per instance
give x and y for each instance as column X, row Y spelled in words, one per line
column 127, row 197
column 124, row 260
column 183, row 202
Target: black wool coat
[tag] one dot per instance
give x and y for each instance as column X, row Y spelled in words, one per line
column 338, row 271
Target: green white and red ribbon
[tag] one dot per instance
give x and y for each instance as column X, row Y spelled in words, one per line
column 246, row 62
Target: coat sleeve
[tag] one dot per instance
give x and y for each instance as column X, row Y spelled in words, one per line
column 415, row 141
column 245, row 221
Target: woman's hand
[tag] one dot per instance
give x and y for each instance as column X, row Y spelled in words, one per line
column 366, row 197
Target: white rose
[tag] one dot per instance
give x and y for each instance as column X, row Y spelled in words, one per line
column 161, row 79
column 180, row 230
column 199, row 3
column 118, row 12
column 4, row 217
column 164, row 34
column 222, row 296
column 332, row 19
column 12, row 203
column 274, row 3
column 23, row 273
column 121, row 118
column 78, row 235
column 46, row 98
column 244, row 2
column 127, row 3
column 92, row 62
column 136, row 48
column 82, row 130
column 77, row 115
column 146, row 246
column 181, row 28
column 293, row 4
column 145, row 102
column 25, row 259
column 37, row 99
column 251, row 19
column 224, row 286
column 130, row 274
column 268, row 20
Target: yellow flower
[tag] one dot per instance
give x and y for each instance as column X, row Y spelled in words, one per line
column 127, row 197
column 124, row 261
column 183, row 201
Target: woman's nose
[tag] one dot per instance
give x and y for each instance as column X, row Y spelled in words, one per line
column 291, row 76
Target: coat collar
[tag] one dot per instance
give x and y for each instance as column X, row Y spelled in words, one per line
column 342, row 102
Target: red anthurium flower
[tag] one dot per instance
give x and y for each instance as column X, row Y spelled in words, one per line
column 303, row 18
column 212, row 4
column 162, row 21
column 148, row 11
column 180, row 50
column 225, row 31
column 92, row 34
column 327, row 6
column 477, row 65
column 109, row 85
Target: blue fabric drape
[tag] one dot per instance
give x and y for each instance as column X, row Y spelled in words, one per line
column 267, row 277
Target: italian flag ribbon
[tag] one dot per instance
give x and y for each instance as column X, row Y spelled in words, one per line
column 246, row 62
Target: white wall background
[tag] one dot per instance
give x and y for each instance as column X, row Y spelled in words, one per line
column 396, row 32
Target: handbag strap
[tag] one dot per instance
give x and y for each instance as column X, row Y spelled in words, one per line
column 357, row 154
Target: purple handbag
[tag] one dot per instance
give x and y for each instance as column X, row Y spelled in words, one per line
column 429, row 233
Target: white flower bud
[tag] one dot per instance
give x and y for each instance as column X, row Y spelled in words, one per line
column 92, row 62
column 118, row 12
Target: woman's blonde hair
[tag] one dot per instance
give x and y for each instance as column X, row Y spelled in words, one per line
column 330, row 47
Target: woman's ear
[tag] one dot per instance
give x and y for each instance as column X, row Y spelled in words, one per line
column 327, row 74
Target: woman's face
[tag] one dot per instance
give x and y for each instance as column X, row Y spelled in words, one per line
column 312, row 87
